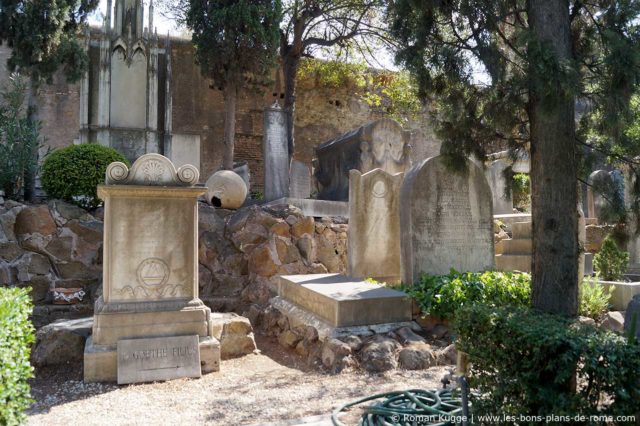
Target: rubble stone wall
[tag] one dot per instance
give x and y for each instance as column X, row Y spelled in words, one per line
column 58, row 245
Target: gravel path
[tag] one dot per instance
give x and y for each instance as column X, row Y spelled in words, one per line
column 269, row 387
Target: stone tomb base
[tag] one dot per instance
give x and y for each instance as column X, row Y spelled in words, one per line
column 315, row 208
column 342, row 301
column 113, row 322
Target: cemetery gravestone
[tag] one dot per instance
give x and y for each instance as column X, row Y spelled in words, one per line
column 446, row 220
column 150, row 266
column 502, row 203
column 374, row 225
column 275, row 153
column 300, row 180
column 382, row 144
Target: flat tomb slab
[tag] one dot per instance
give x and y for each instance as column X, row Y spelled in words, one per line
column 158, row 358
column 315, row 208
column 345, row 301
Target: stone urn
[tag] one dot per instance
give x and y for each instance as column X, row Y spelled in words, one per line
column 226, row 189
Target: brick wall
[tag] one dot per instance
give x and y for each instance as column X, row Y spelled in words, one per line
column 321, row 114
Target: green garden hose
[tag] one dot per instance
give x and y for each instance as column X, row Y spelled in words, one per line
column 411, row 407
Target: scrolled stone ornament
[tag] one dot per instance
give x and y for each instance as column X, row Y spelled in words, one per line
column 188, row 174
column 117, row 172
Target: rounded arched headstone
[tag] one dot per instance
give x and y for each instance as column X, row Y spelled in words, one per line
column 446, row 220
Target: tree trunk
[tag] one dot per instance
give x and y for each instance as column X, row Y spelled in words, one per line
column 230, row 98
column 553, row 169
column 290, row 70
column 29, row 174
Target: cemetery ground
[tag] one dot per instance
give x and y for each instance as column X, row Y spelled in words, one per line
column 270, row 386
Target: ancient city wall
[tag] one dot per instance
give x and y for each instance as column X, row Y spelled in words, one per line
column 321, row 113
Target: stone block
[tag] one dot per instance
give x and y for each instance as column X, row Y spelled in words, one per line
column 159, row 358
column 344, row 301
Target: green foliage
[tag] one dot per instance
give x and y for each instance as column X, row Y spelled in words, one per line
column 523, row 363
column 479, row 65
column 610, row 261
column 521, row 190
column 443, row 295
column 393, row 93
column 594, row 299
column 16, row 337
column 73, row 173
column 19, row 139
column 44, row 36
column 333, row 74
column 234, row 38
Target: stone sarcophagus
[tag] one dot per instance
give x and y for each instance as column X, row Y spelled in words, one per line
column 382, row 144
column 150, row 276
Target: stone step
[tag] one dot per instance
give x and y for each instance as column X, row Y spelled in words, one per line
column 516, row 246
column 521, row 230
column 343, row 301
column 513, row 262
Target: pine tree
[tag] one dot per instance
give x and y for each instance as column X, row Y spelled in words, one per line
column 44, row 38
column 234, row 40
column 507, row 74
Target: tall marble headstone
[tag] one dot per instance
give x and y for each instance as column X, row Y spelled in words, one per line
column 446, row 220
column 595, row 201
column 150, row 271
column 275, row 153
column 502, row 202
column 300, row 180
column 381, row 144
column 374, row 225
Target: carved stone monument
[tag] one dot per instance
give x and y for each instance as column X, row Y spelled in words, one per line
column 275, row 153
column 150, row 272
column 446, row 220
column 374, row 225
column 300, row 180
column 502, row 202
column 382, row 144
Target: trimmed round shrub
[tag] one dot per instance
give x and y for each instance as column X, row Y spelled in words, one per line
column 73, row 173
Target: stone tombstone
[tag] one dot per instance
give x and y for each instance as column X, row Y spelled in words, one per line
column 374, row 225
column 446, row 220
column 632, row 316
column 300, row 180
column 612, row 184
column 158, row 358
column 595, row 201
column 275, row 153
column 242, row 169
column 502, row 203
column 150, row 264
column 381, row 144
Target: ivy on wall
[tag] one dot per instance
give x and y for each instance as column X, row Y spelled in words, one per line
column 391, row 93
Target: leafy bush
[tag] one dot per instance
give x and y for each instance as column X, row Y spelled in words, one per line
column 443, row 295
column 521, row 190
column 16, row 336
column 19, row 139
column 594, row 299
column 610, row 261
column 73, row 173
column 523, row 363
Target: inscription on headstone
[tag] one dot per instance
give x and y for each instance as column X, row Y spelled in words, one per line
column 276, row 154
column 374, row 225
column 300, row 181
column 502, row 204
column 159, row 358
column 446, row 220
